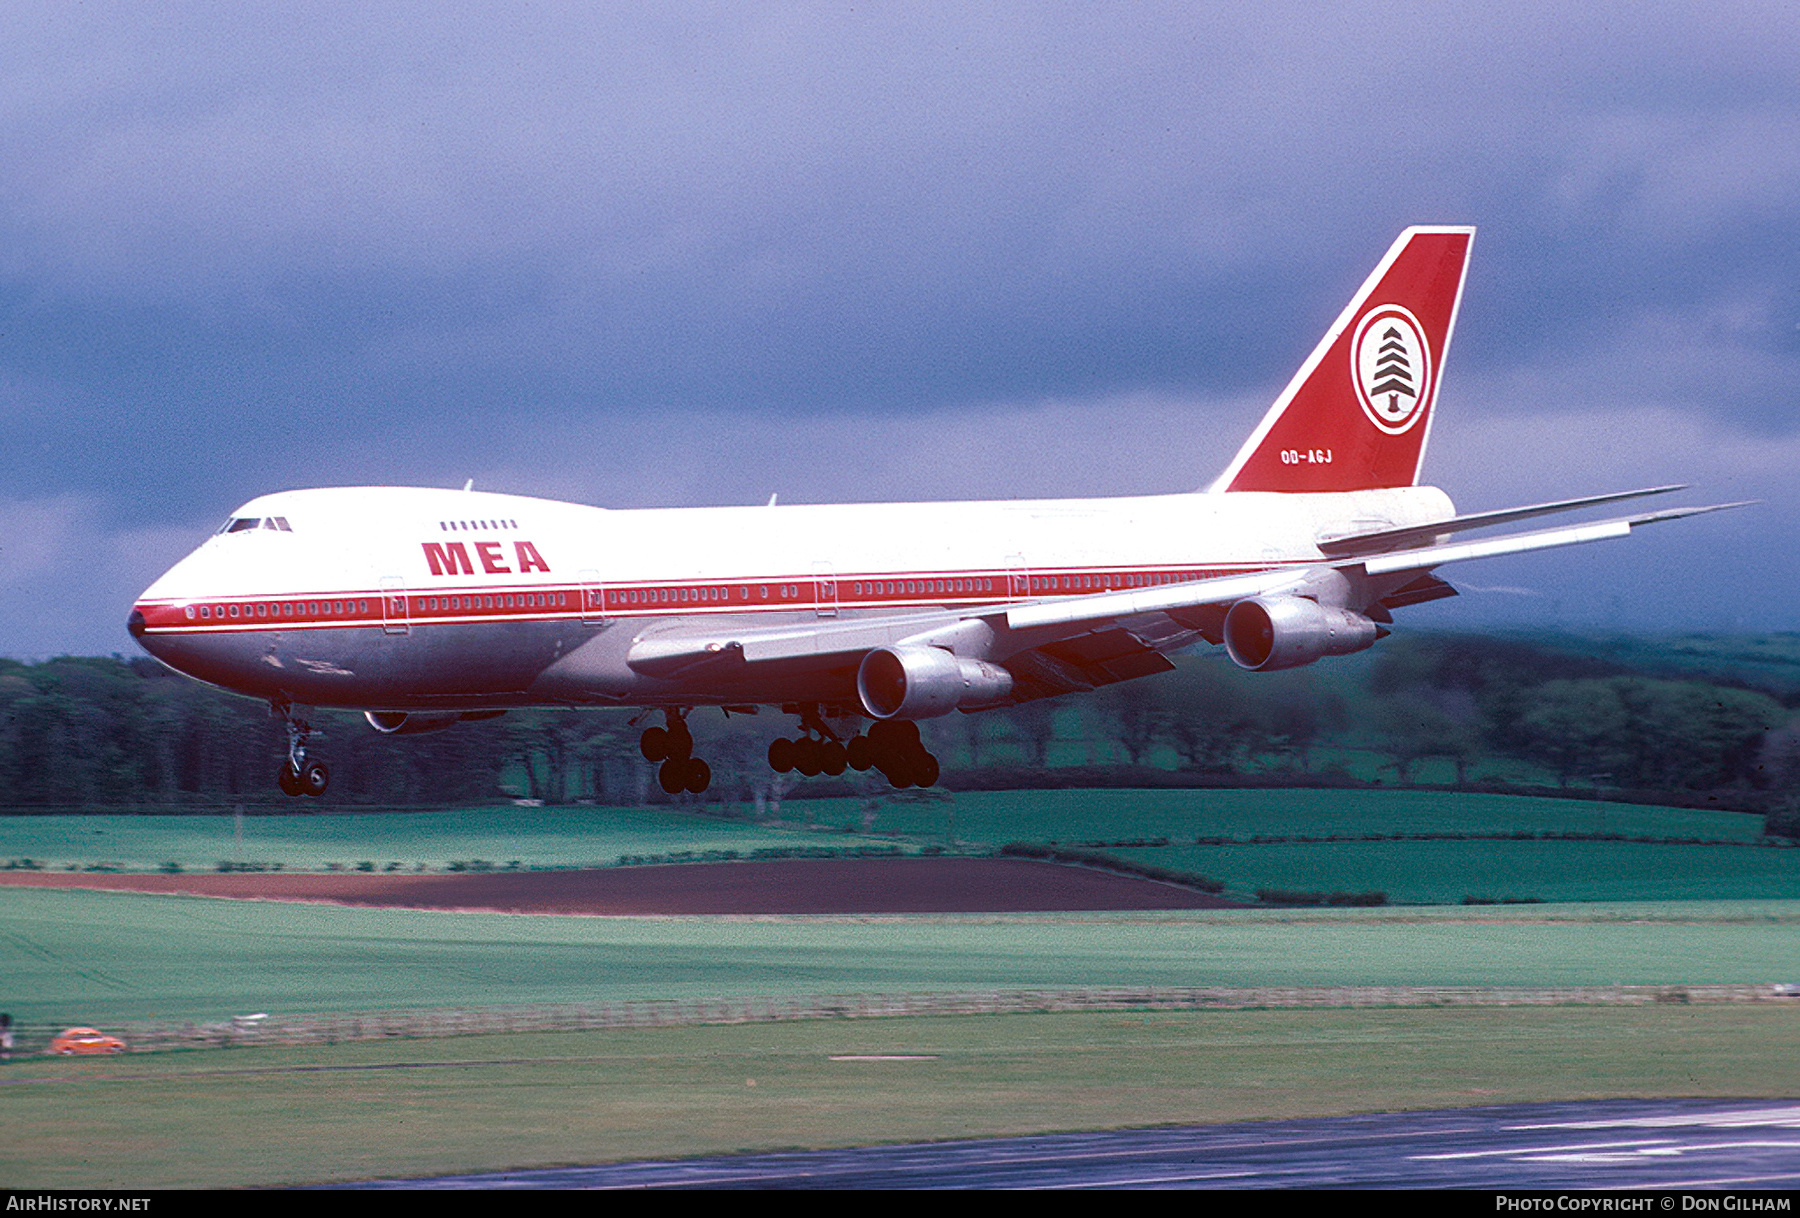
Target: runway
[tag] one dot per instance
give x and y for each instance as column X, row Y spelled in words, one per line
column 1609, row 1144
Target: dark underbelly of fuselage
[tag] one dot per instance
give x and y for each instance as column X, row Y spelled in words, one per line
column 486, row 665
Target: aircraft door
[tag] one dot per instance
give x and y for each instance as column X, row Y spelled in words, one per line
column 825, row 589
column 394, row 616
column 593, row 599
column 1018, row 578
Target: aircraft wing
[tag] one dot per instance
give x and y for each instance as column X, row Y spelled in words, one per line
column 1233, row 588
column 1079, row 642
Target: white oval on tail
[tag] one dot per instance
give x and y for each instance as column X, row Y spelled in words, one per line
column 1391, row 365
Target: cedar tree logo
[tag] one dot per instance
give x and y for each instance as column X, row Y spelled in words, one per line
column 1391, row 366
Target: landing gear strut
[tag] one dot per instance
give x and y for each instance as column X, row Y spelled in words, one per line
column 673, row 745
column 298, row 776
column 892, row 746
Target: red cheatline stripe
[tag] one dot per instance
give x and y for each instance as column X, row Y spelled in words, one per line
column 451, row 605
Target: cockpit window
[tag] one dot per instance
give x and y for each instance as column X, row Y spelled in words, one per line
column 243, row 524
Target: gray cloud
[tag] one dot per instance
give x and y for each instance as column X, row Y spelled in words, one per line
column 1016, row 249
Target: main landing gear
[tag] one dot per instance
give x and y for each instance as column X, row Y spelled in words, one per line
column 674, row 747
column 298, row 776
column 892, row 746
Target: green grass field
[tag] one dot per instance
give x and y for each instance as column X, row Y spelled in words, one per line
column 90, row 957
column 284, row 1116
column 1408, row 871
column 1081, row 815
column 534, row 837
column 1432, row 872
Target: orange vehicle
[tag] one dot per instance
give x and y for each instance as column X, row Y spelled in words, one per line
column 85, row 1040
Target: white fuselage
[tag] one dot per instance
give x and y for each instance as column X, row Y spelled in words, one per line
column 396, row 598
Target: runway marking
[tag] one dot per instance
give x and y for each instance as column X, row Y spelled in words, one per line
column 1784, row 1117
column 1683, row 1150
column 1217, row 1175
column 1538, row 1150
column 884, row 1057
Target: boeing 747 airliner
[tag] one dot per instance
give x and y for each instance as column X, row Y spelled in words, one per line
column 425, row 607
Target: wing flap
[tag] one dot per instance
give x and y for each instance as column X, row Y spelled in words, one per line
column 666, row 655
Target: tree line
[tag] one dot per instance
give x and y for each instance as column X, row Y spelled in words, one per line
column 108, row 732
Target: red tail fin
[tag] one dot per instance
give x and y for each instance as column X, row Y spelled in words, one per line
column 1356, row 415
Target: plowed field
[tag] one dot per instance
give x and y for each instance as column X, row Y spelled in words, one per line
column 790, row 886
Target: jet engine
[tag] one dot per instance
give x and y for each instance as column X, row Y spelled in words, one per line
column 1265, row 633
column 408, row 723
column 924, row 682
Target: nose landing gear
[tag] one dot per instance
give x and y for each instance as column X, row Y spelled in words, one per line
column 673, row 745
column 298, row 775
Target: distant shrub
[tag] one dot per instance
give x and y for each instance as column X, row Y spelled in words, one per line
column 365, row 865
column 169, row 868
column 1783, row 822
column 1282, row 896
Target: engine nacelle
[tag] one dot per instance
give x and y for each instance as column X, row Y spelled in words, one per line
column 924, row 682
column 1265, row 633
column 409, row 723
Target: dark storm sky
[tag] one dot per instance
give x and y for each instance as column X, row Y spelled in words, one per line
column 702, row 253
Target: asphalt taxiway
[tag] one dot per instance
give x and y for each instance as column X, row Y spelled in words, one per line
column 1609, row 1144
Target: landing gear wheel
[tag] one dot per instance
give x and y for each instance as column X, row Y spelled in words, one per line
column 859, row 753
column 699, row 776
column 924, row 770
column 314, row 779
column 681, row 743
column 287, row 780
column 781, row 755
column 806, row 757
column 832, row 758
column 654, row 744
column 672, row 776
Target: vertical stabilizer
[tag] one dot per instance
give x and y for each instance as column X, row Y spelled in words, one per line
column 1357, row 414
